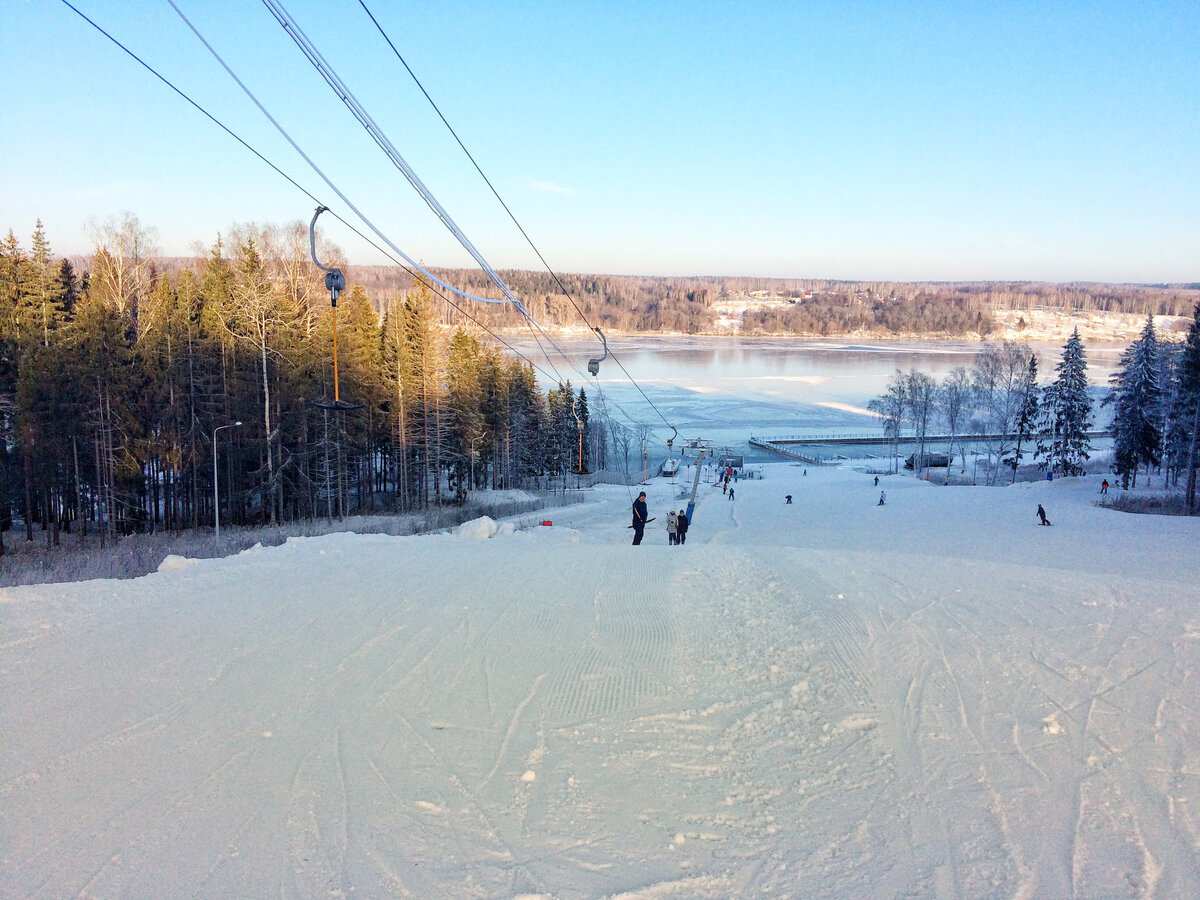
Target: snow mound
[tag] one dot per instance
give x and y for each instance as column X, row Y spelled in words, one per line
column 174, row 563
column 483, row 527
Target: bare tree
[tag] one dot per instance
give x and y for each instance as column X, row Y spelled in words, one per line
column 955, row 401
column 998, row 379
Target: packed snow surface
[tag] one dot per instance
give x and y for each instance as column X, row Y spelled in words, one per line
column 933, row 698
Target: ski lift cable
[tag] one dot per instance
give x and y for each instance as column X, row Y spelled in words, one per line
column 524, row 234
column 478, row 169
column 437, row 287
column 334, row 82
column 296, row 33
column 315, row 199
column 308, row 159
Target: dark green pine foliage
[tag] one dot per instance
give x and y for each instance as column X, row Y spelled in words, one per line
column 1187, row 410
column 581, row 410
column 1063, row 441
column 1027, row 415
column 1137, row 402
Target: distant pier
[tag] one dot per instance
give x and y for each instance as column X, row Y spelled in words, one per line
column 793, row 446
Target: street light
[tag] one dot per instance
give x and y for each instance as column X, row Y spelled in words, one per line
column 216, row 490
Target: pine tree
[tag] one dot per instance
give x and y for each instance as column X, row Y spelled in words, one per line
column 1188, row 405
column 1137, row 402
column 1063, row 441
column 1026, row 416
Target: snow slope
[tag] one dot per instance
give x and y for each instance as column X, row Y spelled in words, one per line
column 934, row 698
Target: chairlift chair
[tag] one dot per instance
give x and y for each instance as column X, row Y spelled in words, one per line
column 335, row 283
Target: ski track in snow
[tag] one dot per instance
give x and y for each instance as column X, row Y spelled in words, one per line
column 822, row 699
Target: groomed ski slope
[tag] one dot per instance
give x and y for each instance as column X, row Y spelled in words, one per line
column 936, row 698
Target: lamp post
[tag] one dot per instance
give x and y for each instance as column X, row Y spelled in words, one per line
column 216, row 489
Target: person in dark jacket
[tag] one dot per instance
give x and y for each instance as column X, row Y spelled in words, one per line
column 639, row 517
column 1041, row 514
column 681, row 526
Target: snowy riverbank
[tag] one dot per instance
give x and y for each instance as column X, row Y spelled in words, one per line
column 936, row 697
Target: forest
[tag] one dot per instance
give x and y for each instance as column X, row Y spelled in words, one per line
column 130, row 390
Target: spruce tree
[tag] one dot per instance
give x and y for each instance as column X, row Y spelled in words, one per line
column 1026, row 415
column 1067, row 413
column 1136, row 398
column 1188, row 408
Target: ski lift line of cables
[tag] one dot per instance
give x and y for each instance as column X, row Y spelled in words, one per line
column 347, row 97
column 439, row 284
column 296, row 33
column 486, row 180
column 349, row 203
column 437, row 287
column 339, row 88
column 500, row 199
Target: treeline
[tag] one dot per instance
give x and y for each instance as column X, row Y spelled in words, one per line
column 124, row 385
column 640, row 303
column 923, row 312
column 813, row 306
column 1155, row 397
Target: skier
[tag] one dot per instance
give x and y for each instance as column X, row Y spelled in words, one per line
column 1104, row 486
column 731, row 492
column 882, row 497
column 788, row 498
column 876, row 481
column 672, row 529
column 639, row 518
column 681, row 526
column 1041, row 514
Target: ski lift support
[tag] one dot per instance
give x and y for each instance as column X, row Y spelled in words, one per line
column 579, row 426
column 335, row 283
column 594, row 364
column 701, row 446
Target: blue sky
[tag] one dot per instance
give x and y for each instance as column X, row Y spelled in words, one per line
column 894, row 140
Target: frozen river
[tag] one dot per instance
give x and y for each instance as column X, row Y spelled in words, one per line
column 726, row 389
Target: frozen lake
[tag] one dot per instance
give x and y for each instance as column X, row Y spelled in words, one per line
column 727, row 389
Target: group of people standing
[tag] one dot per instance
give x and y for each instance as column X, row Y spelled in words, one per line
column 677, row 522
column 677, row 526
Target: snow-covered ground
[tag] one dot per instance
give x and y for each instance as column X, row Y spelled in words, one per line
column 933, row 698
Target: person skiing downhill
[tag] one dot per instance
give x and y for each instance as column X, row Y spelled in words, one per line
column 639, row 518
column 1041, row 514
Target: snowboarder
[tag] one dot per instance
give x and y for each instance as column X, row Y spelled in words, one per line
column 789, row 499
column 672, row 529
column 1104, row 486
column 681, row 526
column 876, row 481
column 1041, row 514
column 639, row 518
column 882, row 497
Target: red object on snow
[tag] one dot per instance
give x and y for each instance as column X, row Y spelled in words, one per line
column 547, row 522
